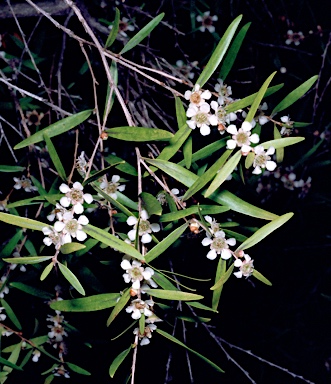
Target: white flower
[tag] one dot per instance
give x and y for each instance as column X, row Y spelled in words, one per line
column 58, row 212
column 52, row 237
column 145, row 227
column 222, row 116
column 287, row 128
column 3, row 288
column 294, row 37
column 246, row 267
column 207, row 22
column 224, row 92
column 135, row 273
column 138, row 307
column 3, row 205
column 61, row 371
column 57, row 332
column 261, row 118
column 290, row 182
column 197, row 97
column 242, row 137
column 219, row 245
column 24, row 183
column 111, row 187
column 146, row 335
column 36, row 354
column 214, row 225
column 81, row 163
column 262, row 159
column 71, row 227
column 75, row 196
column 13, row 266
column 201, row 118
column 124, row 26
column 2, row 315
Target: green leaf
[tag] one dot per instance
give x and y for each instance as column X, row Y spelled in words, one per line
column 224, row 172
column 31, row 290
column 174, row 340
column 264, row 231
column 71, row 248
column 201, row 306
column 172, row 216
column 219, row 52
column 27, row 259
column 144, row 32
column 180, row 113
column 112, row 241
column 35, row 200
column 220, row 271
column 207, row 176
column 77, row 369
column 56, row 129
column 10, row 246
column 257, row 101
column 150, row 204
column 10, row 313
column 260, row 277
column 97, row 175
column 233, row 52
column 118, row 361
column 87, row 304
column 119, row 306
column 295, row 95
column 46, row 271
column 279, row 151
column 71, row 278
column 9, row 364
column 224, row 278
column 165, row 243
column 55, row 157
column 114, row 31
column 163, row 282
column 122, row 166
column 122, row 199
column 139, row 134
column 11, row 168
column 248, row 100
column 173, row 295
column 110, row 90
column 22, row 221
column 281, row 143
column 187, row 151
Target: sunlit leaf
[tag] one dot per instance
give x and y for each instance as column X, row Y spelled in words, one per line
column 9, row 364
column 71, row 248
column 118, row 361
column 55, row 157
column 110, row 89
column 220, row 271
column 173, row 295
column 119, row 306
column 180, row 113
column 114, row 31
column 163, row 282
column 27, row 259
column 264, row 231
column 280, row 151
column 144, row 32
column 139, row 134
column 71, row 278
column 223, row 279
column 56, row 129
column 201, row 306
column 87, row 304
column 294, row 95
column 46, row 271
column 260, row 277
column 174, row 340
column 22, row 221
column 281, row 143
column 122, row 165
column 219, row 52
column 99, row 174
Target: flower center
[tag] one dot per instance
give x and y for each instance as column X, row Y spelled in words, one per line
column 76, row 196
column 144, row 227
column 26, row 183
column 72, row 226
column 219, row 244
column 201, row 118
column 260, row 160
column 111, row 188
column 247, row 268
column 195, row 98
column 135, row 273
column 242, row 138
column 221, row 114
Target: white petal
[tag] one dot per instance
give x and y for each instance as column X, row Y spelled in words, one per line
column 64, row 201
column 263, row 120
column 78, row 185
column 136, row 284
column 205, row 108
column 146, row 275
column 214, row 105
column 211, row 255
column 47, row 241
column 132, row 234
column 258, row 149
column 115, row 178
column 257, row 171
column 270, row 151
column 271, row 165
column 238, row 274
column 83, row 220
column 78, row 208
column 121, row 187
column 206, row 94
column 144, row 341
column 155, row 227
column 126, row 277
column 47, row 230
column 231, row 144
column 211, row 28
column 226, row 254
column 213, row 120
column 66, row 238
column 231, row 241
column 81, row 235
column 144, row 215
column 51, row 217
column 238, row 263
column 246, row 126
column 88, row 198
column 204, row 130
column 192, row 111
column 232, row 129
column 254, row 138
column 206, row 241
column 146, row 238
column 209, row 219
column 191, row 123
column 131, row 220
column 64, row 188
column 125, row 264
column 245, row 149
column 136, row 314
column 58, row 226
column 187, row 95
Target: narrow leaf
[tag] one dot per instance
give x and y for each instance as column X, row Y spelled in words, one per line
column 150, row 204
column 295, row 95
column 173, row 295
column 163, row 282
column 55, row 157
column 11, row 168
column 71, row 278
column 10, row 313
column 144, row 32
column 118, row 361
column 281, row 143
column 174, row 340
column 97, row 175
column 86, row 304
column 56, row 129
column 114, row 31
column 224, row 278
column 265, row 231
column 10, row 246
column 260, row 277
column 219, row 52
column 22, row 221
column 122, row 165
column 46, row 271
column 139, row 134
column 78, row 369
column 187, row 151
column 220, row 271
column 9, row 364
column 71, row 248
column 201, row 306
column 119, row 306
column 180, row 112
column 31, row 290
column 27, row 259
column 279, row 151
column 175, row 143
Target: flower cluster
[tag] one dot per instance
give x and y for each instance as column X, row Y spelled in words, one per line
column 143, row 227
column 24, row 183
column 136, row 274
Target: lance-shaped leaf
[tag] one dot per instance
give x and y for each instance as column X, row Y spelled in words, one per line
column 224, row 172
column 165, row 243
column 71, row 248
column 31, row 290
column 233, row 52
column 27, row 259
column 172, row 216
column 118, row 361
column 280, row 151
column 174, row 340
column 71, row 278
column 180, row 112
column 114, row 31
column 219, row 52
column 294, row 95
column 121, row 165
column 264, row 231
column 223, row 279
column 144, row 32
column 56, row 129
column 248, row 100
column 10, row 246
column 139, row 134
column 308, row 154
column 22, row 221
column 163, row 282
column 281, row 143
column 87, row 304
column 207, row 176
column 220, row 271
column 77, row 369
column 55, row 157
column 99, row 174
column 119, row 306
column 47, row 271
column 187, row 151
column 9, row 364
column 34, row 200
column 150, row 204
column 10, row 313
column 260, row 277
column 257, row 101
column 201, row 306
column 112, row 241
column 11, row 168
column 173, row 295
